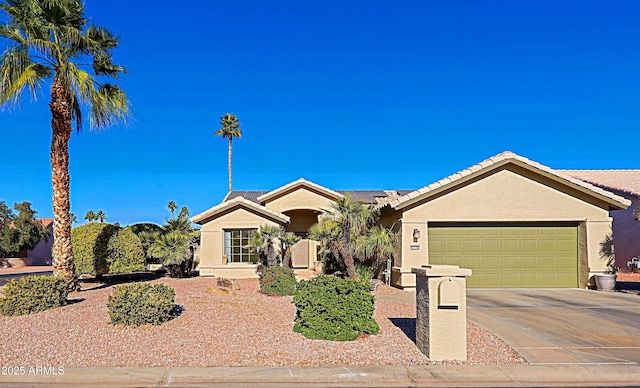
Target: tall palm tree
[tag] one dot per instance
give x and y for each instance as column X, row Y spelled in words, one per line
column 52, row 41
column 101, row 216
column 172, row 206
column 230, row 128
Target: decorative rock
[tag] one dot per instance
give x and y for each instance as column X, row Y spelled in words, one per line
column 226, row 283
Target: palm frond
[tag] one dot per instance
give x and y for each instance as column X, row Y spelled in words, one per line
column 17, row 72
column 229, row 126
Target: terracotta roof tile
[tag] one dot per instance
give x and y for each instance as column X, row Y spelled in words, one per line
column 626, row 181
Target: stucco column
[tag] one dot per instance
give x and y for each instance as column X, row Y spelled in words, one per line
column 441, row 311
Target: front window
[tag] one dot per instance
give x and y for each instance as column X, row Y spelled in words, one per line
column 236, row 246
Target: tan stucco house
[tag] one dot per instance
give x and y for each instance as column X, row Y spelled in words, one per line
column 513, row 221
column 626, row 228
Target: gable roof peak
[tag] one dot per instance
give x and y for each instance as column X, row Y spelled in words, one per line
column 504, row 158
column 239, row 200
column 298, row 183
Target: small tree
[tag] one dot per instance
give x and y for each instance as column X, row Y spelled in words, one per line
column 21, row 231
column 266, row 242
column 377, row 245
column 288, row 241
column 174, row 249
column 350, row 218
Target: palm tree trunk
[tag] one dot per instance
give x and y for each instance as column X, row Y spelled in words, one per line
column 345, row 251
column 63, row 264
column 229, row 162
column 286, row 262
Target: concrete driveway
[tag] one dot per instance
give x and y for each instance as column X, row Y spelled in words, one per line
column 558, row 326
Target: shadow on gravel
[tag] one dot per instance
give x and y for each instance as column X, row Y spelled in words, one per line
column 407, row 325
column 631, row 286
column 104, row 281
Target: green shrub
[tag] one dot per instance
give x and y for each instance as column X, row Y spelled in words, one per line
column 138, row 304
column 277, row 280
column 125, row 253
column 332, row 308
column 90, row 247
column 32, row 294
column 144, row 227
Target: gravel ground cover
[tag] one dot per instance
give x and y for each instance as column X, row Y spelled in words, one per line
column 245, row 329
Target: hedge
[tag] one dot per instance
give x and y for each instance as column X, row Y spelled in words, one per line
column 125, row 253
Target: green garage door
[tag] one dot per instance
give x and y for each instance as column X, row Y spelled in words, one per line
column 509, row 255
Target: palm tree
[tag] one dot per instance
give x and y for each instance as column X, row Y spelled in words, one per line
column 354, row 217
column 265, row 242
column 51, row 40
column 327, row 232
column 172, row 206
column 100, row 216
column 90, row 216
column 174, row 248
column 230, row 128
column 379, row 244
column 288, row 241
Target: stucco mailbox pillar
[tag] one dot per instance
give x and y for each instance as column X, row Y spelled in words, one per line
column 441, row 311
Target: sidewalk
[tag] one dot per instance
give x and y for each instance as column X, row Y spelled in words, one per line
column 386, row 376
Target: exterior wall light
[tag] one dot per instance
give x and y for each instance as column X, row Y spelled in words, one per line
column 416, row 235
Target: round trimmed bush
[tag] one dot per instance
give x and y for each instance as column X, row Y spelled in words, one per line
column 144, row 227
column 137, row 304
column 277, row 280
column 32, row 294
column 332, row 308
column 90, row 247
column 125, row 253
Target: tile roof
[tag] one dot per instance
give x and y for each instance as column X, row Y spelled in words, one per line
column 625, row 181
column 504, row 158
column 299, row 182
column 46, row 221
column 238, row 201
column 376, row 197
column 249, row 195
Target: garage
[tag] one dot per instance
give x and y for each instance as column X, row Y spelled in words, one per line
column 541, row 254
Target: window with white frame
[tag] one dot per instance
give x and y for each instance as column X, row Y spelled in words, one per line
column 236, row 248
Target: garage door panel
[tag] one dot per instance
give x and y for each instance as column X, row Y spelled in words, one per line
column 491, row 246
column 507, row 263
column 509, row 255
column 473, row 245
column 529, row 263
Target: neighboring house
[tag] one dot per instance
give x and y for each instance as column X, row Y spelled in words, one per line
column 41, row 253
column 626, row 229
column 514, row 222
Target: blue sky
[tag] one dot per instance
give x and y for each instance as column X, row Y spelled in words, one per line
column 348, row 94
